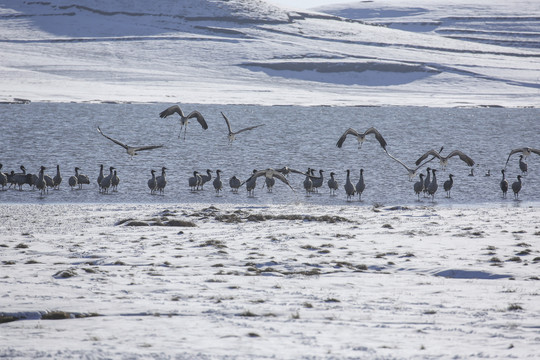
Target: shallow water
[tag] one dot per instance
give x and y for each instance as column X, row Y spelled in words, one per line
column 299, row 137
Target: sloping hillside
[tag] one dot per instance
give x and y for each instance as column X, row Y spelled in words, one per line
column 213, row 51
column 512, row 24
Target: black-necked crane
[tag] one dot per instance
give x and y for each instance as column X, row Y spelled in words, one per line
column 21, row 178
column 251, row 183
column 232, row 134
column 152, row 183
column 184, row 120
column 516, row 187
column 308, row 182
column 360, row 185
column 525, row 151
column 194, row 181
column 82, row 179
column 100, row 177
column 107, row 181
column 161, row 181
column 447, row 185
column 205, row 178
column 234, row 183
column 503, row 184
column 419, row 186
column 333, row 184
column 218, row 184
column 433, row 185
column 3, row 178
column 269, row 174
column 41, row 184
column 317, row 181
column 523, row 165
column 349, row 187
column 131, row 150
column 115, row 181
column 73, row 180
column 444, row 159
column 410, row 171
column 57, row 179
column 361, row 137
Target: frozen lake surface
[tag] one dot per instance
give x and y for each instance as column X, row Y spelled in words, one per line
column 298, row 137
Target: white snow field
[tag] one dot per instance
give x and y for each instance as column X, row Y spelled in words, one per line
column 252, row 52
column 287, row 282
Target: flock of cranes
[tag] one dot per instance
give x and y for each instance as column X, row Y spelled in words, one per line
column 427, row 184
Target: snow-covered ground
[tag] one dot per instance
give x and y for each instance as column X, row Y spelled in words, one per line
column 514, row 24
column 232, row 281
column 235, row 51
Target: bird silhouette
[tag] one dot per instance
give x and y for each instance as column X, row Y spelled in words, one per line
column 184, row 120
column 444, row 159
column 526, row 151
column 232, row 134
column 516, row 187
column 131, row 150
column 361, row 137
column 504, row 184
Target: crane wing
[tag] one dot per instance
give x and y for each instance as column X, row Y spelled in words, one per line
column 286, row 170
column 536, row 151
column 430, row 152
column 257, row 174
column 249, row 128
column 462, row 156
column 149, row 147
column 113, row 140
column 284, row 179
column 399, row 161
column 200, row 118
column 378, row 136
column 349, row 131
column 171, row 110
column 227, row 121
column 271, row 173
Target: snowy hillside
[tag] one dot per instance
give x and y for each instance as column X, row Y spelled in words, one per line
column 515, row 24
column 250, row 51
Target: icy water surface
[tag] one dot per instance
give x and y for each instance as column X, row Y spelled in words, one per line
column 299, row 137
